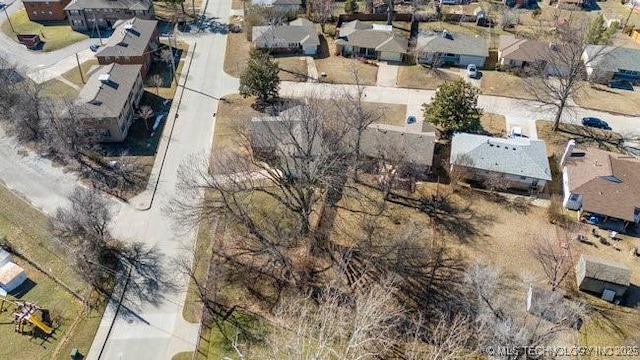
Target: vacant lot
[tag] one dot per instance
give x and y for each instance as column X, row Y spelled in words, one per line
column 557, row 140
column 422, row 77
column 504, row 84
column 56, row 34
column 604, row 98
column 25, row 229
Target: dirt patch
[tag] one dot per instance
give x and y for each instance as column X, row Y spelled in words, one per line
column 421, row 77
column 504, row 84
column 585, row 136
column 494, row 124
column 604, row 98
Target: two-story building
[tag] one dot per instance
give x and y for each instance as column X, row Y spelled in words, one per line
column 45, row 10
column 87, row 15
column 132, row 42
column 109, row 101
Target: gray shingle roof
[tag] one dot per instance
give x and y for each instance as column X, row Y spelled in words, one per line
column 449, row 43
column 107, row 100
column 129, row 38
column 605, row 270
column 109, row 4
column 275, row 2
column 300, row 31
column 356, row 33
column 381, row 140
column 610, row 58
column 518, row 156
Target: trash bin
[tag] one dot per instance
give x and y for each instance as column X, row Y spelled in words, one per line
column 74, row 353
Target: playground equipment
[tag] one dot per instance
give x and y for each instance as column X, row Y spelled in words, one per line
column 26, row 313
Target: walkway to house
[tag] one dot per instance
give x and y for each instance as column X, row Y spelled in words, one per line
column 312, row 70
column 387, row 74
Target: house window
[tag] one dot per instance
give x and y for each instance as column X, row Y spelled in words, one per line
column 523, row 178
column 127, row 59
column 35, row 13
column 107, row 58
column 574, row 197
column 46, row 3
column 42, row 12
column 74, row 12
column 50, row 13
column 77, row 22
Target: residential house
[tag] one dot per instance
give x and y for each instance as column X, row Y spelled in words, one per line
column 132, row 42
column 527, row 53
column 87, row 15
column 446, row 48
column 550, row 305
column 412, row 144
column 45, row 10
column 604, row 278
column 109, row 99
column 281, row 6
column 356, row 38
column 601, row 183
column 299, row 36
column 604, row 63
column 518, row 163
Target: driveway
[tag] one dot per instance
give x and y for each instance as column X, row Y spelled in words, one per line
column 387, row 74
column 38, row 65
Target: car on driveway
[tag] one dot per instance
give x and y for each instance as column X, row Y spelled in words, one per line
column 472, row 71
column 94, row 47
column 595, row 123
column 621, row 84
column 516, row 131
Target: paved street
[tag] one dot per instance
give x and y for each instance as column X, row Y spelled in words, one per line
column 40, row 66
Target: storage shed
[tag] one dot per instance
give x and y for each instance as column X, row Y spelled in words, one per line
column 11, row 275
column 551, row 306
column 602, row 277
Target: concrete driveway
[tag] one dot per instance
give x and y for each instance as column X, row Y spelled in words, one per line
column 387, row 74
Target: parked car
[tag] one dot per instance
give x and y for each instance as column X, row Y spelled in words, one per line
column 411, row 119
column 595, row 123
column 472, row 71
column 516, row 131
column 94, row 47
column 621, row 84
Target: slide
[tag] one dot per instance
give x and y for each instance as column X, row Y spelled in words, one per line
column 47, row 329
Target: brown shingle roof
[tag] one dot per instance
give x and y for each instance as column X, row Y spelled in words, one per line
column 384, row 141
column 513, row 48
column 609, row 183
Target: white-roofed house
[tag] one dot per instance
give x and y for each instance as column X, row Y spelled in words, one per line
column 11, row 275
column 282, row 6
column 446, row 48
column 356, row 38
column 519, row 163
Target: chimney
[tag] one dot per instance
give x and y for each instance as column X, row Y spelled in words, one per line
column 567, row 152
column 104, row 78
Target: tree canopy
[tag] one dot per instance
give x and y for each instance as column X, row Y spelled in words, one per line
column 454, row 107
column 260, row 78
column 597, row 32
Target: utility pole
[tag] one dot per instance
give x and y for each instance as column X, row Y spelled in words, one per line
column 80, row 69
column 173, row 62
column 633, row 7
column 9, row 19
column 95, row 24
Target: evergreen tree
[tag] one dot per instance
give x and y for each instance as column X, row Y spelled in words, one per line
column 260, row 79
column 454, row 107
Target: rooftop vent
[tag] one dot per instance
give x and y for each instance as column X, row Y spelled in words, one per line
column 104, row 78
column 128, row 26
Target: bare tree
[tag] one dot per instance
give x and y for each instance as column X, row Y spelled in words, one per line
column 68, row 133
column 554, row 259
column 321, row 11
column 338, row 324
column 451, row 338
column 146, row 112
column 156, row 81
column 563, row 60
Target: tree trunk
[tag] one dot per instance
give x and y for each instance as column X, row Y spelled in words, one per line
column 556, row 121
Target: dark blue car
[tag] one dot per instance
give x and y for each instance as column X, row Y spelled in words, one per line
column 595, row 123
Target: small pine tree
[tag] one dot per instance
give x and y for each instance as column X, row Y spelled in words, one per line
column 454, row 107
column 260, row 79
column 350, row 6
column 598, row 33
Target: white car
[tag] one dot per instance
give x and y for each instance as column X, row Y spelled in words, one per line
column 516, row 131
column 472, row 71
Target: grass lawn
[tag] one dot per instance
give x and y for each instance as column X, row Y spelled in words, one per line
column 557, row 140
column 292, row 68
column 503, row 84
column 237, row 4
column 56, row 35
column 392, row 114
column 237, row 54
column 204, row 246
column 601, row 97
column 340, row 70
column 73, row 75
column 494, row 124
column 25, row 229
column 57, row 89
column 421, row 77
